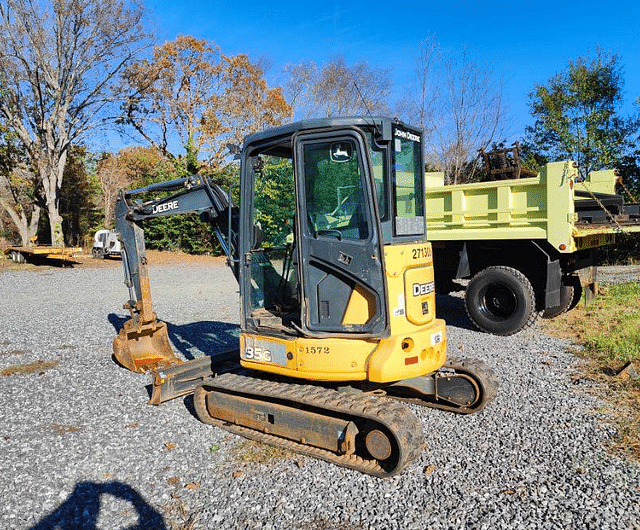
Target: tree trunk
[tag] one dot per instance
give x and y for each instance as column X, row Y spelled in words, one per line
column 55, row 224
column 51, row 172
column 26, row 229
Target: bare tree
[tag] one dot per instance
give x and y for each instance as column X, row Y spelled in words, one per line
column 474, row 114
column 460, row 105
column 337, row 89
column 420, row 102
column 58, row 62
column 19, row 188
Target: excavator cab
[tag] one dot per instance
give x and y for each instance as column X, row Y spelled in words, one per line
column 334, row 257
column 310, row 198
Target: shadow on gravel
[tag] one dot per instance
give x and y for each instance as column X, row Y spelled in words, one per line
column 208, row 336
column 451, row 309
column 82, row 508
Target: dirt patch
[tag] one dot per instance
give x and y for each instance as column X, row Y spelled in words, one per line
column 62, row 429
column 12, row 352
column 86, row 261
column 37, row 367
column 250, row 452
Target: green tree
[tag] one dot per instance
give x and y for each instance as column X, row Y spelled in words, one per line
column 577, row 115
column 276, row 201
column 80, row 215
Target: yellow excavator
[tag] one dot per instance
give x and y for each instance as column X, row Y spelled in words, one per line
column 337, row 304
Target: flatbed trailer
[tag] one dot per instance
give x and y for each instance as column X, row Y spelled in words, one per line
column 526, row 245
column 23, row 254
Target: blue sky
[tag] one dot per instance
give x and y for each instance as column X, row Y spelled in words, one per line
column 524, row 42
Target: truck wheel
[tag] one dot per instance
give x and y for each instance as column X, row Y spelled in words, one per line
column 17, row 257
column 501, row 300
column 574, row 281
column 570, row 296
column 570, row 293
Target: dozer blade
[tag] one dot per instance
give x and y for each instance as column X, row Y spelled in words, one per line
column 144, row 347
column 181, row 379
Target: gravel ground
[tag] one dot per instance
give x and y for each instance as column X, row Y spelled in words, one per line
column 81, row 449
column 619, row 274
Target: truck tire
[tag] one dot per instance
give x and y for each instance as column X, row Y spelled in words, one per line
column 570, row 294
column 566, row 297
column 500, row 300
column 574, row 281
column 17, row 257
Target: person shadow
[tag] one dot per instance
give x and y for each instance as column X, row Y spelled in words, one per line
column 196, row 339
column 82, row 508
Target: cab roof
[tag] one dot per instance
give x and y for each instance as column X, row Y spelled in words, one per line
column 382, row 123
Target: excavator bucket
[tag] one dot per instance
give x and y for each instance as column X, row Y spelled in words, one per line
column 144, row 347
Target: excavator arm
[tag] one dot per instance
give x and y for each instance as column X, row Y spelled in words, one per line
column 143, row 342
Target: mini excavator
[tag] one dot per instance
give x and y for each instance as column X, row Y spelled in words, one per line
column 337, row 322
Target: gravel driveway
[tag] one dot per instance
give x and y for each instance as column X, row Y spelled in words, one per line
column 82, row 449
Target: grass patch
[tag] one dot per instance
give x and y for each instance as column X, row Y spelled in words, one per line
column 62, row 429
column 608, row 332
column 37, row 367
column 259, row 453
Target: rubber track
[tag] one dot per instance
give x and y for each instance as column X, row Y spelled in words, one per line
column 485, row 377
column 397, row 418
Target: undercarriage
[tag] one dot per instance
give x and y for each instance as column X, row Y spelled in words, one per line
column 361, row 426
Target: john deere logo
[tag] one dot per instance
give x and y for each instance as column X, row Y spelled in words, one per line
column 420, row 289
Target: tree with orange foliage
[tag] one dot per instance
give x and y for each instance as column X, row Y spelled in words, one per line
column 191, row 93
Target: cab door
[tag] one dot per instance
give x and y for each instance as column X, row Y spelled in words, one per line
column 339, row 250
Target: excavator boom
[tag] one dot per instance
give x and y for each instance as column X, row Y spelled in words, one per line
column 143, row 342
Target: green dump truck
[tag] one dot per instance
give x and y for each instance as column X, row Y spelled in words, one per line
column 526, row 245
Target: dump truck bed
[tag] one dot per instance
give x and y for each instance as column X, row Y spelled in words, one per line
column 548, row 207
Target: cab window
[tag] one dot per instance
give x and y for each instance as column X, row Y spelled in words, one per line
column 334, row 195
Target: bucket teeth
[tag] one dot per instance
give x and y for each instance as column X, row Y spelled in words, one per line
column 144, row 347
